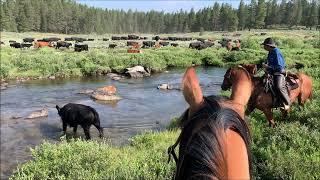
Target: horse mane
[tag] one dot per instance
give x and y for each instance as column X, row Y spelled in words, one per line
column 201, row 148
column 245, row 70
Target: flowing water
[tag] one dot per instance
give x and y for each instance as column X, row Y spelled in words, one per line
column 143, row 108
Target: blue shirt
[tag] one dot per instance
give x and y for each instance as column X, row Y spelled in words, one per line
column 276, row 61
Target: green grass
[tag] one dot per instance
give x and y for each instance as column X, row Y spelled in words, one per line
column 145, row 158
column 289, row 151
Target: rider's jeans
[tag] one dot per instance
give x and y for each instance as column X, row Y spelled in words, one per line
column 280, row 84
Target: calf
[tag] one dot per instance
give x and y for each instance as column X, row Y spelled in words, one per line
column 63, row 44
column 80, row 47
column 26, row 45
column 78, row 114
column 174, row 44
column 164, row 43
column 147, row 44
column 15, row 45
column 112, row 46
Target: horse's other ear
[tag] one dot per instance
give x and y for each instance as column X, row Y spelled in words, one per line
column 191, row 89
column 58, row 108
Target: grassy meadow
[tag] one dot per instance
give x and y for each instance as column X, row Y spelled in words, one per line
column 289, row 151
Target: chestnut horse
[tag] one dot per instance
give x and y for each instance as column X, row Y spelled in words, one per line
column 264, row 101
column 214, row 141
column 306, row 81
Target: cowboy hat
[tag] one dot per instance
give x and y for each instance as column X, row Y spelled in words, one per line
column 268, row 42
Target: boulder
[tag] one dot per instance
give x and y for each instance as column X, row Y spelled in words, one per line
column 137, row 72
column 40, row 113
column 52, row 77
column 16, row 117
column 104, row 97
column 165, row 86
column 115, row 76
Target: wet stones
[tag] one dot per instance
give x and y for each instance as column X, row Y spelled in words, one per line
column 4, row 85
column 137, row 72
column 167, row 86
column 36, row 114
column 105, row 97
column 115, row 76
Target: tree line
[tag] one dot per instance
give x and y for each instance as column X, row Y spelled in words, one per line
column 67, row 16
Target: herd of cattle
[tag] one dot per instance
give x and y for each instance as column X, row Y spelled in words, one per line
column 132, row 41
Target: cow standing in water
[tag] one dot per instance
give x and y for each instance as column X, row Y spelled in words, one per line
column 78, row 114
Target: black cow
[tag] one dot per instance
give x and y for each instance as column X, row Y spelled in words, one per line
column 63, row 44
column 30, row 40
column 51, row 39
column 224, row 42
column 105, row 39
column 174, row 44
column 124, row 37
column 78, row 114
column 112, row 46
column 172, row 38
column 195, row 45
column 90, row 39
column 164, row 43
column 78, row 39
column 133, row 37
column 147, row 44
column 12, row 41
column 80, row 47
column 115, row 38
column 15, row 45
column 26, row 45
column 157, row 38
column 200, row 45
column 68, row 39
column 2, row 42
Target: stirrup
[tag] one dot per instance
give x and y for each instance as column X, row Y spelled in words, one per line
column 285, row 107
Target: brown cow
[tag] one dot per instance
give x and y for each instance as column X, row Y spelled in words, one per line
column 40, row 44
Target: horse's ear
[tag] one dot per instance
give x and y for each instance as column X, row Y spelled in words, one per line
column 191, row 89
column 58, row 108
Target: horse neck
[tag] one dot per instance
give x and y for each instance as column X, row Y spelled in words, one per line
column 241, row 91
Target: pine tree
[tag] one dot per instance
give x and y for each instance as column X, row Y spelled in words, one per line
column 313, row 15
column 216, row 16
column 242, row 15
column 252, row 14
column 260, row 14
column 283, row 12
column 5, row 20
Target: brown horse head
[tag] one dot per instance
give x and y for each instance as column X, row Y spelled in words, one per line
column 227, row 80
column 236, row 73
column 214, row 141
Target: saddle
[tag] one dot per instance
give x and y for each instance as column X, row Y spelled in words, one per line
column 291, row 84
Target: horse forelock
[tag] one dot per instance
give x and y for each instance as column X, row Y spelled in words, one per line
column 202, row 140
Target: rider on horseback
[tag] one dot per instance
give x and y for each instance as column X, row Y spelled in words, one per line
column 276, row 66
